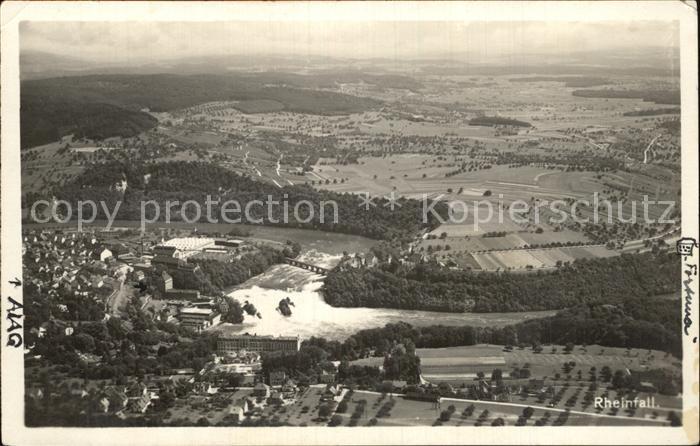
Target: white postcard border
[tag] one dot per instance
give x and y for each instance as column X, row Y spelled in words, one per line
column 13, row 430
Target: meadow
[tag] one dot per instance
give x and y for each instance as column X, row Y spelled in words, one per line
column 519, row 259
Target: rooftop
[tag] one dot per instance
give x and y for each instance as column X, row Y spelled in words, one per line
column 189, row 243
column 248, row 336
column 195, row 310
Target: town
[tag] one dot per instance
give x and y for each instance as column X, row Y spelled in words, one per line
column 100, row 297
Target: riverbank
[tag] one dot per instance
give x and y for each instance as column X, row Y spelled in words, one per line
column 312, row 316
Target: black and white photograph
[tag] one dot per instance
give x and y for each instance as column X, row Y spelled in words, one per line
column 342, row 221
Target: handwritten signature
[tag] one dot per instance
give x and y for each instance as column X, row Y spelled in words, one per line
column 690, row 272
column 685, row 247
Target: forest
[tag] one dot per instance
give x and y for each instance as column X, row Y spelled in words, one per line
column 427, row 286
column 654, row 112
column 183, row 181
column 226, row 274
column 635, row 323
column 492, row 121
column 110, row 105
column 656, row 96
column 44, row 120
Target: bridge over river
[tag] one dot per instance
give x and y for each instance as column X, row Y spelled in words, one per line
column 307, row 266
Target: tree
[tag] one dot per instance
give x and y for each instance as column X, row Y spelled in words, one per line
column 387, row 387
column 497, row 375
column 674, row 419
column 619, row 380
column 444, row 389
column 84, row 342
column 528, row 412
column 336, row 420
column 324, row 411
column 498, row 422
column 166, row 399
column 234, row 313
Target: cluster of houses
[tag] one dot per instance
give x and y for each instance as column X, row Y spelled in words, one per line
column 279, row 395
column 370, row 260
column 361, row 260
column 70, row 263
column 81, row 264
column 261, row 396
column 124, row 400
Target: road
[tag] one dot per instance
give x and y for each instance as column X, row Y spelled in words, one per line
column 118, row 299
column 634, row 245
column 646, row 151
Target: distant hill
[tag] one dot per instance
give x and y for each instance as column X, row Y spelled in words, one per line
column 47, row 120
column 39, row 64
column 109, row 105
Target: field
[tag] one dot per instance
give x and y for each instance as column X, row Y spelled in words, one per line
column 372, row 408
column 547, row 362
column 519, row 259
column 406, row 412
column 487, row 202
column 460, row 365
column 49, row 163
column 259, row 106
column 206, row 138
column 470, row 359
column 412, row 175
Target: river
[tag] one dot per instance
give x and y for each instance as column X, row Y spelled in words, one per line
column 312, row 316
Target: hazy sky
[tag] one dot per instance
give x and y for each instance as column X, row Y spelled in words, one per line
column 120, row 41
